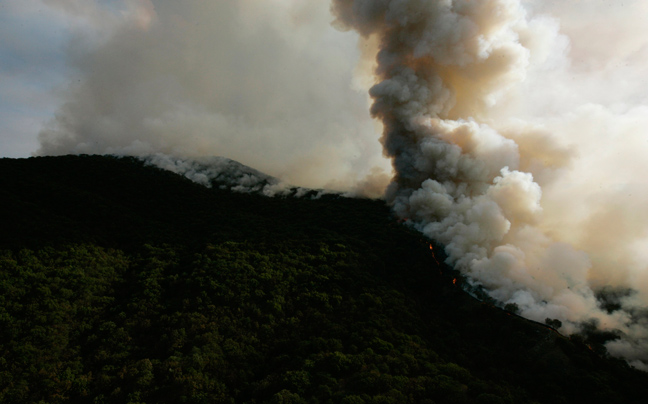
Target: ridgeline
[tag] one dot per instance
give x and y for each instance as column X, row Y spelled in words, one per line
column 124, row 283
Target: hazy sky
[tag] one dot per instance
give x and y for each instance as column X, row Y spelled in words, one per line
column 268, row 83
column 32, row 64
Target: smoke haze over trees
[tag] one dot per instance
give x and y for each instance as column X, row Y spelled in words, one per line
column 516, row 129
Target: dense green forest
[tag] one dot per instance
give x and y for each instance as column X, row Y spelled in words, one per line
column 123, row 283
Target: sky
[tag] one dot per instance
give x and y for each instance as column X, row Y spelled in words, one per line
column 31, row 65
column 525, row 121
column 269, row 84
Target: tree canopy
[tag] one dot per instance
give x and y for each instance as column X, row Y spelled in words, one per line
column 123, row 283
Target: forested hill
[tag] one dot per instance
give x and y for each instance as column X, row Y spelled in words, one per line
column 123, row 283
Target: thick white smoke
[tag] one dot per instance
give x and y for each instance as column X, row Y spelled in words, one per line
column 230, row 175
column 494, row 129
column 269, row 84
column 516, row 128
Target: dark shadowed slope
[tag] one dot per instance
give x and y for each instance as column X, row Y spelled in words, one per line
column 120, row 282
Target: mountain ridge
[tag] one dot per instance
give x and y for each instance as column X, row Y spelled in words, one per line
column 285, row 299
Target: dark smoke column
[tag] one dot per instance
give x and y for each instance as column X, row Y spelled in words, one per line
column 440, row 65
column 438, row 61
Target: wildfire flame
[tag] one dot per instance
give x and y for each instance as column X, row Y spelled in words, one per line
column 454, row 281
column 434, row 256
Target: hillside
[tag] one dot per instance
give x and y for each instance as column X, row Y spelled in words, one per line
column 124, row 283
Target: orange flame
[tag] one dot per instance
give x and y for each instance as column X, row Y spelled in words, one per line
column 454, row 281
column 434, row 256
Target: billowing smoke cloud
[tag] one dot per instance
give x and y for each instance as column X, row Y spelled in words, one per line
column 223, row 173
column 505, row 151
column 269, row 84
column 516, row 128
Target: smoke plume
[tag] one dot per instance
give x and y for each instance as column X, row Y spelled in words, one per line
column 269, row 84
column 516, row 129
column 493, row 165
column 230, row 175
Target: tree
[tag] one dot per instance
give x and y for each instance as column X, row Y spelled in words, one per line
column 553, row 323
